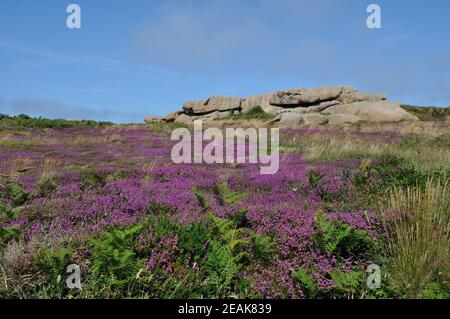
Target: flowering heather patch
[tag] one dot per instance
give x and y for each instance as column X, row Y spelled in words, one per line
column 110, row 200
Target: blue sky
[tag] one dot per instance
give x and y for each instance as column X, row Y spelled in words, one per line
column 135, row 58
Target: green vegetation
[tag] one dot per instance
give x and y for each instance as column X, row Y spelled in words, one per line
column 417, row 220
column 155, row 258
column 25, row 121
column 254, row 114
column 141, row 228
column 429, row 113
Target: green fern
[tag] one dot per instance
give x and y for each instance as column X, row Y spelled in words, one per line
column 15, row 193
column 6, row 213
column 9, row 233
column 330, row 235
column 227, row 235
column 347, row 283
column 263, row 246
column 193, row 239
column 342, row 239
column 307, row 282
column 227, row 196
column 221, row 268
column 112, row 257
column 54, row 263
column 202, row 200
column 226, row 255
column 46, row 187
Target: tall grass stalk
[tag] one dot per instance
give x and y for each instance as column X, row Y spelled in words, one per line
column 418, row 229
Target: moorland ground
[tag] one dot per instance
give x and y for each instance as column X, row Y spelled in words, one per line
column 109, row 199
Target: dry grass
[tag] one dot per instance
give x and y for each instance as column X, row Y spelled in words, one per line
column 148, row 169
column 423, row 155
column 428, row 129
column 12, row 142
column 13, row 168
column 418, row 227
column 20, row 255
column 81, row 140
column 49, row 168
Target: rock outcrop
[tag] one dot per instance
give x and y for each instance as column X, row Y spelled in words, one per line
column 333, row 105
column 373, row 111
column 342, row 119
column 291, row 119
column 215, row 103
column 262, row 100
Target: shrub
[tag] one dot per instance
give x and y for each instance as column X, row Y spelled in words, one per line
column 5, row 213
column 9, row 233
column 347, row 283
column 359, row 243
column 202, row 199
column 93, row 180
column 54, row 263
column 315, row 178
column 330, row 233
column 255, row 113
column 434, row 291
column 240, row 218
column 337, row 237
column 193, row 239
column 46, row 188
column 307, row 282
column 429, row 113
column 15, row 193
column 418, row 227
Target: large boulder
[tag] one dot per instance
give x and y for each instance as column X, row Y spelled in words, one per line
column 314, row 119
column 215, row 103
column 217, row 115
column 350, row 95
column 153, row 119
column 305, row 97
column 290, row 119
column 373, row 111
column 195, row 105
column 159, row 119
column 262, row 100
column 184, row 119
column 170, row 117
column 342, row 119
column 189, row 119
column 313, row 108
